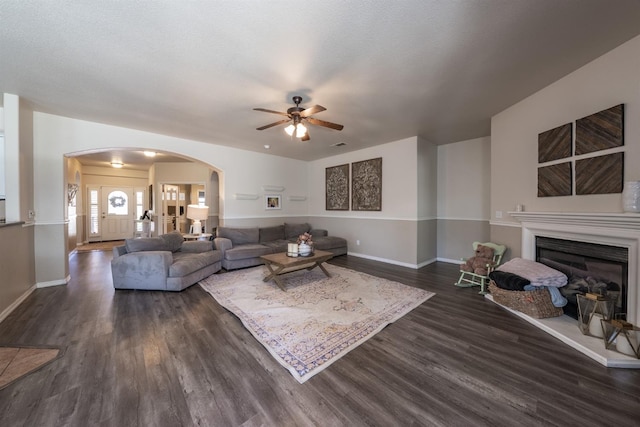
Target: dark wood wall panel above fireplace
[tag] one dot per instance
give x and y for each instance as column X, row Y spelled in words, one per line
column 555, row 144
column 600, row 131
column 600, row 175
column 554, row 180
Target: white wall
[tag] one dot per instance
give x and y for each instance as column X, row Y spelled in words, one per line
column 612, row 79
column 464, row 180
column 390, row 235
column 399, row 175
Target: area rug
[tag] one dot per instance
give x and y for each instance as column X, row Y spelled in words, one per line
column 16, row 362
column 318, row 319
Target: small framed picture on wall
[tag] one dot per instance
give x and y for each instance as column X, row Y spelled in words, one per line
column 272, row 201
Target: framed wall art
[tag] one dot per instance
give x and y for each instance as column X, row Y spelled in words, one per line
column 272, row 201
column 337, row 188
column 366, row 185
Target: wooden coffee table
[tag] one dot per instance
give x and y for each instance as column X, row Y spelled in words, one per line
column 279, row 264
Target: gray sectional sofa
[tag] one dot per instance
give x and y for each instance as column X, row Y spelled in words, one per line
column 242, row 247
column 166, row 263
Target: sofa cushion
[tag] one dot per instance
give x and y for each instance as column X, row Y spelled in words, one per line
column 197, row 246
column 294, row 230
column 173, row 240
column 328, row 242
column 186, row 263
column 270, row 234
column 145, row 244
column 240, row 236
column 277, row 245
column 247, row 251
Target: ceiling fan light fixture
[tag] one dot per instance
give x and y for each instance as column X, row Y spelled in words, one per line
column 289, row 129
column 301, row 130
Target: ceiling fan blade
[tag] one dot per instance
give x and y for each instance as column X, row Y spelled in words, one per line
column 273, row 124
column 312, row 110
column 323, row 123
column 306, row 136
column 271, row 111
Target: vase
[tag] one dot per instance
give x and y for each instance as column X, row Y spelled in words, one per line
column 631, row 196
column 304, row 249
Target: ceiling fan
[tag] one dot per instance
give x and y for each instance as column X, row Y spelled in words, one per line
column 299, row 115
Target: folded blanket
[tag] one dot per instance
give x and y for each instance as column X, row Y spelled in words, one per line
column 538, row 274
column 508, row 281
column 557, row 299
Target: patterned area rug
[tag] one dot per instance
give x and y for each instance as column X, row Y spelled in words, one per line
column 16, row 362
column 319, row 319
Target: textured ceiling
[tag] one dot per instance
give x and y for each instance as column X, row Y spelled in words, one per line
column 386, row 70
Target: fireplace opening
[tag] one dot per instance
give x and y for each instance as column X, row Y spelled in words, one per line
column 589, row 267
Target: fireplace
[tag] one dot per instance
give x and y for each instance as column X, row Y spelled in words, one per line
column 607, row 247
column 589, row 267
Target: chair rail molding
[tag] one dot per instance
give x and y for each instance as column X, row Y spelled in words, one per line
column 594, row 219
column 242, row 196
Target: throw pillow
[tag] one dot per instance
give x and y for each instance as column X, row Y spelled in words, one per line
column 173, row 240
column 292, row 231
column 271, row 234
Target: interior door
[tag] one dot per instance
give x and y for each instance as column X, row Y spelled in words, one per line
column 118, row 212
column 170, row 207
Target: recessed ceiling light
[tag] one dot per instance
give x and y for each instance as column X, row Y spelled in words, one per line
column 117, row 165
column 149, row 153
column 267, row 146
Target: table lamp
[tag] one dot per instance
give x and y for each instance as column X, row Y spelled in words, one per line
column 197, row 213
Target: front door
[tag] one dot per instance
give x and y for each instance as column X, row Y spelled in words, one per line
column 118, row 212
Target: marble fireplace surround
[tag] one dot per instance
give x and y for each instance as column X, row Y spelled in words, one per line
column 613, row 229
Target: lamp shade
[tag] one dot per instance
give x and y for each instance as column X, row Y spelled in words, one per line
column 197, row 212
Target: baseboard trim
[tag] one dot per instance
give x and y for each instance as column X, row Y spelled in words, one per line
column 427, row 262
column 449, row 260
column 7, row 311
column 53, row 283
column 394, row 262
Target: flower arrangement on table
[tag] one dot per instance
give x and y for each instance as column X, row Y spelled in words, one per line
column 305, row 244
column 305, row 239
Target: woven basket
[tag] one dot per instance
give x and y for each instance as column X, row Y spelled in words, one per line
column 536, row 304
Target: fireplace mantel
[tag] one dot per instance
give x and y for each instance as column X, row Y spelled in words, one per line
column 613, row 229
column 611, row 220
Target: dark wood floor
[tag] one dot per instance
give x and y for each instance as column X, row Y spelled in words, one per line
column 144, row 358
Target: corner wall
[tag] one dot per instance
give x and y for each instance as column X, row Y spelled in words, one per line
column 17, row 252
column 464, row 191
